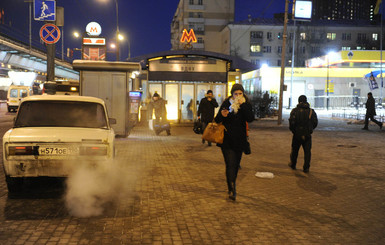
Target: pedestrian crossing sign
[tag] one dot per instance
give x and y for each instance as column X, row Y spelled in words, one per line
column 45, row 10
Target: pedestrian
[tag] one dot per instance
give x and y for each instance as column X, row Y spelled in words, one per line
column 158, row 107
column 206, row 110
column 234, row 112
column 371, row 112
column 303, row 120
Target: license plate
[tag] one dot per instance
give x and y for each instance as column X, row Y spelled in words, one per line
column 54, row 151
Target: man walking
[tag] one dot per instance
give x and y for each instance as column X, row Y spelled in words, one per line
column 206, row 110
column 371, row 112
column 158, row 107
column 302, row 121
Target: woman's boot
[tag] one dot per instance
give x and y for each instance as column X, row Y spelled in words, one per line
column 233, row 193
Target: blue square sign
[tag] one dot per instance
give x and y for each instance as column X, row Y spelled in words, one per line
column 44, row 10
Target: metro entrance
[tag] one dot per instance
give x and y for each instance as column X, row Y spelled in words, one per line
column 183, row 97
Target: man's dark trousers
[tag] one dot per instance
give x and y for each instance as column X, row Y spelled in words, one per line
column 371, row 117
column 297, row 142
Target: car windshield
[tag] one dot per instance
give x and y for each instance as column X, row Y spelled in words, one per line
column 61, row 114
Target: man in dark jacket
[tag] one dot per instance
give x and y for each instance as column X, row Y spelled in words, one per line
column 302, row 121
column 158, row 107
column 371, row 112
column 206, row 110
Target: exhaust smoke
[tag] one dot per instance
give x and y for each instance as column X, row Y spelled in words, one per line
column 90, row 187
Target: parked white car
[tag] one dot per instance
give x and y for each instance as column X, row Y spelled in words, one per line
column 52, row 133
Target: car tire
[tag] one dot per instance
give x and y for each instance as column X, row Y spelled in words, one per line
column 14, row 184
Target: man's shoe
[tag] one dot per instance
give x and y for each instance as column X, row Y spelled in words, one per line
column 306, row 170
column 381, row 125
column 365, row 128
column 291, row 166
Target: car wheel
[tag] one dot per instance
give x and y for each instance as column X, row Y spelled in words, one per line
column 14, row 184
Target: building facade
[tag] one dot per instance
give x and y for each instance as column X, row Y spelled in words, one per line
column 206, row 17
column 343, row 9
column 260, row 40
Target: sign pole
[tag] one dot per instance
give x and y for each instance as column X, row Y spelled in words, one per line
column 283, row 64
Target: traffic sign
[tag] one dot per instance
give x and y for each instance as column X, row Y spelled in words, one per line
column 50, row 33
column 45, row 10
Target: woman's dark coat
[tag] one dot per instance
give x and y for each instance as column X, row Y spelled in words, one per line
column 235, row 133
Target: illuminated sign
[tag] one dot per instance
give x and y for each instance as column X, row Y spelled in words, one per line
column 94, row 41
column 303, row 10
column 189, row 37
column 93, row 29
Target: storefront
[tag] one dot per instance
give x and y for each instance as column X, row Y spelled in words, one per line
column 183, row 78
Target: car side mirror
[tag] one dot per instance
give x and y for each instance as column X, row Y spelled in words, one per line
column 112, row 120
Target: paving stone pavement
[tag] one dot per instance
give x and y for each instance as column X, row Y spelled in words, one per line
column 172, row 190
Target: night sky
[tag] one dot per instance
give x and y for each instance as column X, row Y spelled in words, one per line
column 146, row 22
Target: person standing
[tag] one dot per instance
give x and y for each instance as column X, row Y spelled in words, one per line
column 234, row 112
column 303, row 120
column 206, row 110
column 371, row 112
column 158, row 107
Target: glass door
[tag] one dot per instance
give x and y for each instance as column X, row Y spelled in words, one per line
column 172, row 97
column 219, row 92
column 187, row 104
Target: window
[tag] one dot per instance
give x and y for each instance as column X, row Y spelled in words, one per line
column 61, row 114
column 200, row 15
column 361, row 36
column 255, row 62
column 191, row 14
column 303, row 50
column 345, row 48
column 13, row 93
column 256, row 34
column 200, row 2
column 269, row 35
column 359, row 48
column 279, row 36
column 200, row 40
column 302, row 35
column 278, row 62
column 331, row 36
column 279, row 49
column 191, row 2
column 374, row 36
column 267, row 49
column 291, row 35
column 255, row 48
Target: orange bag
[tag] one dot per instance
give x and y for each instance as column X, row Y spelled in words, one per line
column 214, row 132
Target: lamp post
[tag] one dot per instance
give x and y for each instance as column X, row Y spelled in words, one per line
column 117, row 31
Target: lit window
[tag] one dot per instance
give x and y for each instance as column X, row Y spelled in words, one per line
column 375, row 36
column 331, row 36
column 303, row 36
column 255, row 48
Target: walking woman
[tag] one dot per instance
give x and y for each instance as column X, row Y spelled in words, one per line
column 234, row 113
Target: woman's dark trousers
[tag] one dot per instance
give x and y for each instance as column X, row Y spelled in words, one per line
column 232, row 160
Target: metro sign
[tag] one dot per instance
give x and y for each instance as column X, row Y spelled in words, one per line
column 189, row 37
column 93, row 29
column 94, row 41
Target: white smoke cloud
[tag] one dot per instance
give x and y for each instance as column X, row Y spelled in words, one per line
column 90, row 187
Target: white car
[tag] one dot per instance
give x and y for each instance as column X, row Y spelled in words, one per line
column 52, row 133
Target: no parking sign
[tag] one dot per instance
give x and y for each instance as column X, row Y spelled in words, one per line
column 49, row 33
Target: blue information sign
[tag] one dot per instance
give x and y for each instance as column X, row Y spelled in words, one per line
column 44, row 10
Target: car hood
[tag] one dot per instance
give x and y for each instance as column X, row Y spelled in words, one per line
column 56, row 134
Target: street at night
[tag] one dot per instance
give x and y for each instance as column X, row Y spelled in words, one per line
column 171, row 190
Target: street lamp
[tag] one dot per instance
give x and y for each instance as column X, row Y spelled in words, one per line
column 117, row 29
